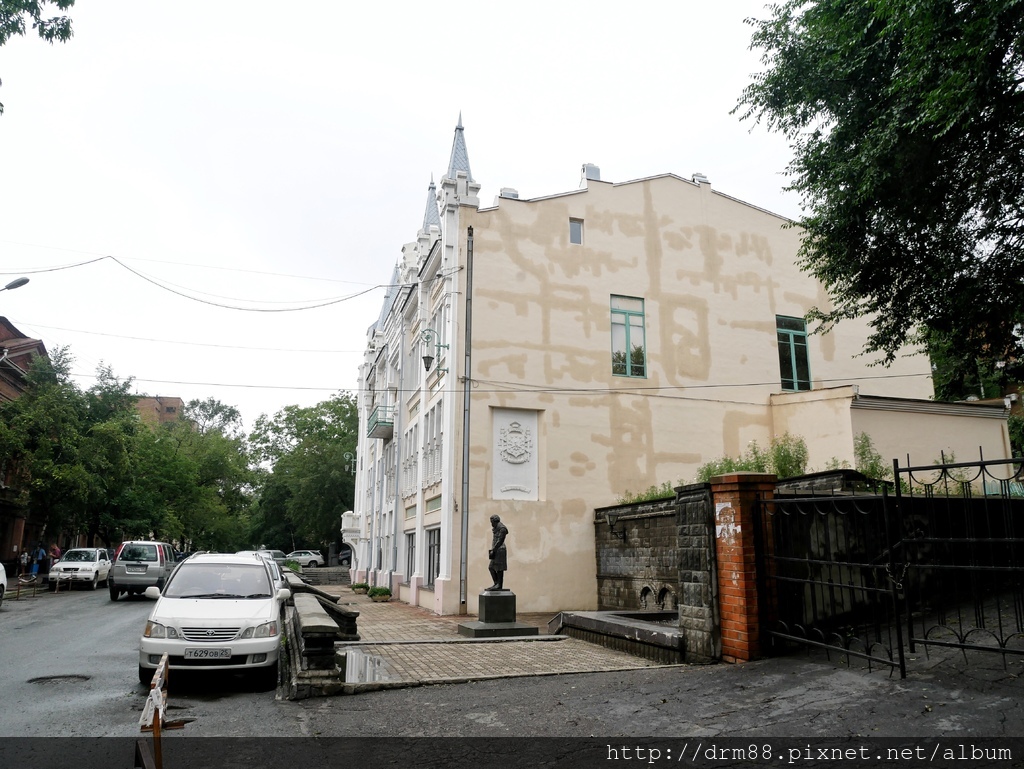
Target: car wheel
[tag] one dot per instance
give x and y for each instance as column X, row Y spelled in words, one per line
column 95, row 582
column 114, row 592
column 1, row 596
column 311, row 565
column 51, row 585
column 146, row 675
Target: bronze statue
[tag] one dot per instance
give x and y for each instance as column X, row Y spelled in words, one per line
column 498, row 554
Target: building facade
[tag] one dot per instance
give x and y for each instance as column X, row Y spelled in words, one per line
column 538, row 358
column 18, row 529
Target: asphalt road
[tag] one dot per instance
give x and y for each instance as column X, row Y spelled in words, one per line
column 69, row 668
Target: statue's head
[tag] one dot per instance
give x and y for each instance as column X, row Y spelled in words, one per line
column 495, row 519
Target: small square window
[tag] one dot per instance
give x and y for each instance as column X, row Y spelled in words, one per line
column 576, row 231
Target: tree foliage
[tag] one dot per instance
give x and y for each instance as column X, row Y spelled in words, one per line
column 310, row 484
column 18, row 16
column 906, row 118
column 88, row 464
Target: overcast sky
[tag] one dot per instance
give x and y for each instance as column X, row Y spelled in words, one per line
column 243, row 164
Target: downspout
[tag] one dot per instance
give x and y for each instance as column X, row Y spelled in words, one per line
column 464, row 556
column 398, row 452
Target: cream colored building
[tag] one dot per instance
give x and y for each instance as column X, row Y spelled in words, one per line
column 615, row 337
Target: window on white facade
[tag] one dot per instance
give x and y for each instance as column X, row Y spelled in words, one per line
column 410, row 554
column 576, row 231
column 793, row 360
column 433, row 556
column 629, row 349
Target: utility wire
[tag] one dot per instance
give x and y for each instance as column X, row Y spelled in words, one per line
column 29, row 323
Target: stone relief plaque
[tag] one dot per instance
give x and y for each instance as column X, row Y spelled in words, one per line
column 515, row 454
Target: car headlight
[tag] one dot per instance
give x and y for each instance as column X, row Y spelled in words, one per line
column 156, row 630
column 266, row 630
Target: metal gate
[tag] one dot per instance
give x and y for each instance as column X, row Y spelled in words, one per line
column 825, row 564
column 940, row 562
column 963, row 555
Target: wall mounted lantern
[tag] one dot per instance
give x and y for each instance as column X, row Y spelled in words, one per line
column 428, row 335
column 612, row 519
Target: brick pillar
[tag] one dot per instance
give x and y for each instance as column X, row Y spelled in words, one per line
column 735, row 497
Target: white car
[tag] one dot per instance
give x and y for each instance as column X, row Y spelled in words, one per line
column 86, row 566
column 216, row 612
column 306, row 558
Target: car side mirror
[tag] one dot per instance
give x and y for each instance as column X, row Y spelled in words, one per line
column 152, row 592
column 283, row 594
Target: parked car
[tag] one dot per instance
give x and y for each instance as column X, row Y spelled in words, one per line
column 88, row 566
column 345, row 555
column 277, row 555
column 3, row 584
column 139, row 565
column 308, row 559
column 217, row 612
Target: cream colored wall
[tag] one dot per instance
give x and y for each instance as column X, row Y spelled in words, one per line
column 822, row 419
column 714, row 273
column 924, row 436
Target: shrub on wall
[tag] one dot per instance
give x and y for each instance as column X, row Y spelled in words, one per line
column 786, row 456
column 664, row 491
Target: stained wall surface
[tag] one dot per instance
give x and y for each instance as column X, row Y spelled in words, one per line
column 713, row 274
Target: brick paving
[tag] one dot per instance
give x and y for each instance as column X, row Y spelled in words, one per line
column 403, row 645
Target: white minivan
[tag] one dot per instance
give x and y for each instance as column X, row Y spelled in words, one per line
column 216, row 612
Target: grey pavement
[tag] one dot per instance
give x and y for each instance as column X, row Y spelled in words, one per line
column 554, row 686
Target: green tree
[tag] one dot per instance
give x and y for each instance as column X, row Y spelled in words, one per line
column 16, row 16
column 309, row 483
column 906, row 119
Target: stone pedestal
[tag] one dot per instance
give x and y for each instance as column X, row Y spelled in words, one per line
column 497, row 612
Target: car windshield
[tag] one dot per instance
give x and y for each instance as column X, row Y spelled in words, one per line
column 79, row 555
column 219, row 580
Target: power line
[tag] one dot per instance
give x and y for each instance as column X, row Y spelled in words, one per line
column 512, row 387
column 167, row 286
column 178, row 264
column 190, row 344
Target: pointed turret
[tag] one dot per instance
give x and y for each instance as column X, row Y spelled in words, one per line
column 460, row 157
column 431, row 218
column 458, row 187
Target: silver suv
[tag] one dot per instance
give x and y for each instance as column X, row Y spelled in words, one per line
column 138, row 565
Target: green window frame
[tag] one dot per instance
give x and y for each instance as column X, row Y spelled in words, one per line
column 629, row 347
column 794, row 363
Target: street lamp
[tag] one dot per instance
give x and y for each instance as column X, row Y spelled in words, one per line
column 428, row 335
column 16, row 283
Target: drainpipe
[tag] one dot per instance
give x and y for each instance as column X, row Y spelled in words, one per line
column 464, row 556
column 398, row 453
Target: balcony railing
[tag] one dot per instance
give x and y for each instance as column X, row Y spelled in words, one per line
column 381, row 423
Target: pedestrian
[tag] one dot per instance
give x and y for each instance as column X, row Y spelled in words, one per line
column 38, row 558
column 23, row 560
column 54, row 554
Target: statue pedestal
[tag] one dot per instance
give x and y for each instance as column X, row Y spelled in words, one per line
column 497, row 612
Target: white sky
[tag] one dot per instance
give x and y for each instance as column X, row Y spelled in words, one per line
column 255, row 157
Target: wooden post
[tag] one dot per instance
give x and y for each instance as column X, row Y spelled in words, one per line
column 152, row 719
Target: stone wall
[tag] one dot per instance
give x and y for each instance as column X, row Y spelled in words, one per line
column 637, row 563
column 662, row 555
column 699, row 618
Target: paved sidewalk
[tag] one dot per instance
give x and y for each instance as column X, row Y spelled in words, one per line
column 403, row 645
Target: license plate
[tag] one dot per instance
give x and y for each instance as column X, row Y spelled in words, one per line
column 207, row 654
column 135, row 569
